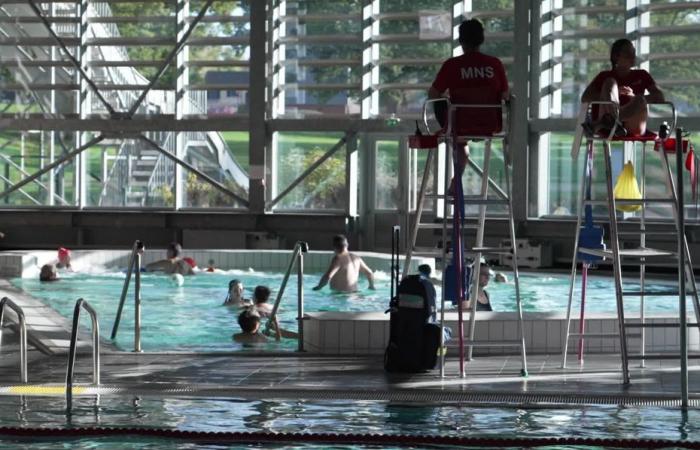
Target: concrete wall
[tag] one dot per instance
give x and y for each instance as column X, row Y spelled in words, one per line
column 343, row 333
column 27, row 263
column 49, row 229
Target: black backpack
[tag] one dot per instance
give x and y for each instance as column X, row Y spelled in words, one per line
column 413, row 338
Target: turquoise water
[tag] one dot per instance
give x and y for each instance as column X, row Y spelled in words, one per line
column 192, row 317
column 231, row 415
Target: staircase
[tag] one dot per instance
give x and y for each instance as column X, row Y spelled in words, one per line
column 131, row 173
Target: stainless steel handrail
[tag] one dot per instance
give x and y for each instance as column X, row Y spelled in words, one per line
column 134, row 261
column 300, row 248
column 22, row 334
column 82, row 303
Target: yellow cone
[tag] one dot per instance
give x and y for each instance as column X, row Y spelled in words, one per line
column 627, row 188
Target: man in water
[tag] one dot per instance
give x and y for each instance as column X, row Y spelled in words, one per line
column 173, row 262
column 344, row 269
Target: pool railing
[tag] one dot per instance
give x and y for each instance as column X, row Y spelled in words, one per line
column 297, row 258
column 134, row 267
column 22, row 334
column 82, row 304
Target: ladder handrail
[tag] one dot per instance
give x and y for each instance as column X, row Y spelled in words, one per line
column 22, row 334
column 137, row 247
column 300, row 248
column 83, row 304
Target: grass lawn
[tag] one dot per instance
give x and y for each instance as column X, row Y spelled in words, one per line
column 237, row 142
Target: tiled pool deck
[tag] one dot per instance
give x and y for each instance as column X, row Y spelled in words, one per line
column 300, row 376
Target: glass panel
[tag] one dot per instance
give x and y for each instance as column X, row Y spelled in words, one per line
column 210, row 153
column 574, row 49
column 674, row 70
column 472, row 180
column 22, row 154
column 320, row 60
column 130, row 173
column 324, row 188
column 387, row 174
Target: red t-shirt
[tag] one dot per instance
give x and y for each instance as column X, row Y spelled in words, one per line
column 638, row 80
column 474, row 78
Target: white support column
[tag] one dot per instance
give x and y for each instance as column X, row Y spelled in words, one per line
column 181, row 99
column 370, row 56
column 54, row 55
column 543, row 175
column 84, row 107
column 351, row 171
column 279, row 30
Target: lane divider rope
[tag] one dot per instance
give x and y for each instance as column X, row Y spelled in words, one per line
column 336, row 438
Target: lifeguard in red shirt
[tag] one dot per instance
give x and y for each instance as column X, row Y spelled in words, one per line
column 472, row 78
column 626, row 87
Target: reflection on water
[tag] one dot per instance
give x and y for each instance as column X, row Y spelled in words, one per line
column 229, row 415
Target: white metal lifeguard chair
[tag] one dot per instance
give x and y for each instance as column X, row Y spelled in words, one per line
column 467, row 121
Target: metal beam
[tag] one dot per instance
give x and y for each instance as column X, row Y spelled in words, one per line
column 194, row 170
column 258, row 134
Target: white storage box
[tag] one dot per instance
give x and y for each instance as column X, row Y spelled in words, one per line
column 529, row 255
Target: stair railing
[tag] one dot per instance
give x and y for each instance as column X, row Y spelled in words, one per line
column 297, row 257
column 22, row 334
column 82, row 304
column 135, row 268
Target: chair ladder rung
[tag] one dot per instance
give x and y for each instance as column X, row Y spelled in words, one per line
column 653, row 293
column 475, row 343
column 662, row 356
column 658, row 325
column 595, row 335
column 503, row 250
column 630, row 201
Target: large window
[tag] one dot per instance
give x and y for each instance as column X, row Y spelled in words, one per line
column 357, row 70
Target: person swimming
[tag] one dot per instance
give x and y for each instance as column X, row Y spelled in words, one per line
column 344, row 269
column 173, row 263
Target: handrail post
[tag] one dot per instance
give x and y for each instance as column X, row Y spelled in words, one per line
column 681, row 268
column 303, row 248
column 136, row 248
column 81, row 303
column 22, row 334
column 137, row 304
column 275, row 307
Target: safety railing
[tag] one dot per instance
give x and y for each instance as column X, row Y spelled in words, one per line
column 297, row 258
column 22, row 334
column 82, row 304
column 135, row 268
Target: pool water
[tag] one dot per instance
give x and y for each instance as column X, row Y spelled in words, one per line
column 192, row 316
column 340, row 416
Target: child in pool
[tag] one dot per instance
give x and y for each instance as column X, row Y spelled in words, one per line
column 235, row 294
column 260, row 297
column 249, row 321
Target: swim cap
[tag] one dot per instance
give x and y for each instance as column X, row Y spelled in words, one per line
column 63, row 253
column 190, row 261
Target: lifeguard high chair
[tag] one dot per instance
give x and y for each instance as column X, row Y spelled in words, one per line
column 466, row 122
column 589, row 247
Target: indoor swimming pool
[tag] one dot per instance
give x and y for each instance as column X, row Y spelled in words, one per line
column 332, row 416
column 191, row 317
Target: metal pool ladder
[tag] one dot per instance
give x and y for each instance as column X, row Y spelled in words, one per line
column 22, row 334
column 300, row 248
column 134, row 267
column 81, row 303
